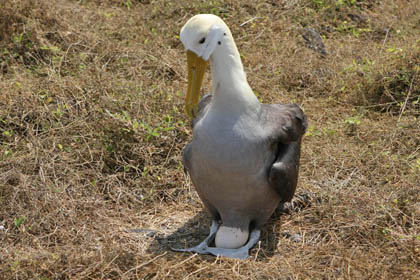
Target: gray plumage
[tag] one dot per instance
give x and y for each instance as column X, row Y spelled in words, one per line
column 244, row 168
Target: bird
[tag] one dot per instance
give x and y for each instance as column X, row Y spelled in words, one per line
column 244, row 155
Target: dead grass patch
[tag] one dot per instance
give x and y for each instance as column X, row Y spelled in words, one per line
column 92, row 128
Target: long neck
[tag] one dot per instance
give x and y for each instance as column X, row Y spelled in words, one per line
column 231, row 90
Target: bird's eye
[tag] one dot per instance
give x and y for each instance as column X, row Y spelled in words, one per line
column 202, row 40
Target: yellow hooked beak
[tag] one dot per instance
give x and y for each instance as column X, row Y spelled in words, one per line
column 196, row 69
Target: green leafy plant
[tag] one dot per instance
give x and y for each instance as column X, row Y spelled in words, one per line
column 19, row 221
column 355, row 120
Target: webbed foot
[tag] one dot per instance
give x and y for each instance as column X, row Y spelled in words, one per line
column 239, row 253
column 202, row 247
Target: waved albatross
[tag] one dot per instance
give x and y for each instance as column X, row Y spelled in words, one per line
column 244, row 156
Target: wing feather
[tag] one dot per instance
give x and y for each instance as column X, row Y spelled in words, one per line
column 287, row 123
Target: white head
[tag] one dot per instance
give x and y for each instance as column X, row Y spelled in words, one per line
column 207, row 38
column 201, row 36
column 203, row 33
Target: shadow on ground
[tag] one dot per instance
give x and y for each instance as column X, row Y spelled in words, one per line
column 197, row 228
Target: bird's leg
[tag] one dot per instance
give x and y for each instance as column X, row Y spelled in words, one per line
column 239, row 253
column 203, row 246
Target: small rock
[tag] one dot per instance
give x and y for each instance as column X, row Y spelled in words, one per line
column 284, row 208
column 314, row 41
column 296, row 238
column 151, row 234
column 3, row 67
column 358, row 17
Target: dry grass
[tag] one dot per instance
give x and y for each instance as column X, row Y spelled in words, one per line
column 92, row 128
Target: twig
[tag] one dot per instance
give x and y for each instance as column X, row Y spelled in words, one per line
column 169, row 152
column 406, row 99
column 146, row 263
column 383, row 44
column 372, row 106
column 194, row 272
column 258, row 251
column 108, row 264
column 65, row 55
column 386, row 38
column 259, row 35
column 41, row 237
column 248, row 21
column 184, row 261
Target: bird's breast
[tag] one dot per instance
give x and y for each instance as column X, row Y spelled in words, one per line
column 230, row 164
column 233, row 147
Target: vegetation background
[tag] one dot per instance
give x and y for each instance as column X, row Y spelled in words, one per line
column 92, row 129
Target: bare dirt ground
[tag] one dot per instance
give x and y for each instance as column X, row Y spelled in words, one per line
column 92, row 129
